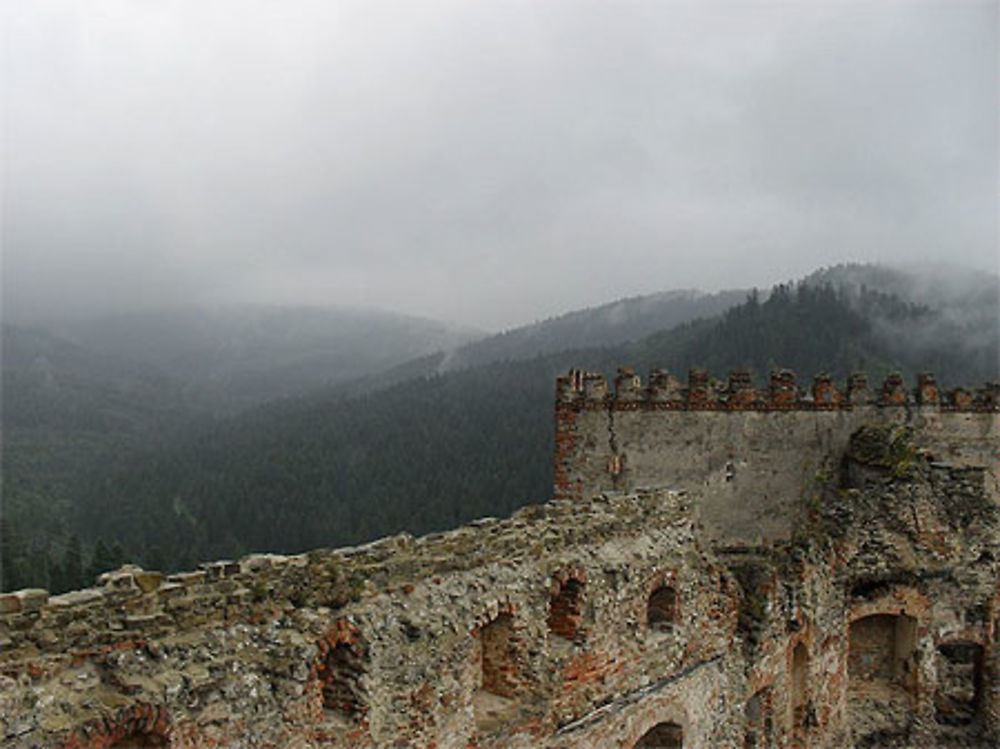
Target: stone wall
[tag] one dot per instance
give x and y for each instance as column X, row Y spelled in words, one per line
column 753, row 456
column 628, row 619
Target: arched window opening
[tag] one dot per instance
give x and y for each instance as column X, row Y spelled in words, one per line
column 343, row 667
column 882, row 649
column 960, row 683
column 498, row 647
column 500, row 675
column 661, row 610
column 882, row 674
column 759, row 723
column 800, row 685
column 565, row 610
column 662, row 736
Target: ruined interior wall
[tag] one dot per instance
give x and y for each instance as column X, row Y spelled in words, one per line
column 252, row 648
column 873, row 586
column 699, row 702
column 915, row 555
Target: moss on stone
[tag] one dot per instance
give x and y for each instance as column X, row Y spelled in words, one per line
column 884, row 446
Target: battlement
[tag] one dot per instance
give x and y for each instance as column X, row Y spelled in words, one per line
column 589, row 390
column 751, row 450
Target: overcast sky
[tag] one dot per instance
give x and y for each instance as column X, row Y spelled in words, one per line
column 485, row 162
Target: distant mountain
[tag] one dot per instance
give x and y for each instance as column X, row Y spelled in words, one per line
column 86, row 392
column 51, row 383
column 250, row 354
column 608, row 324
column 952, row 290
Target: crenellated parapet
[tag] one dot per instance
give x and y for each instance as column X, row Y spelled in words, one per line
column 583, row 390
column 738, row 438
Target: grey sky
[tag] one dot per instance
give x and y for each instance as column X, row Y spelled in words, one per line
column 485, row 162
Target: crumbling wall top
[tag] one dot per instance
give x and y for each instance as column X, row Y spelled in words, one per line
column 587, row 390
column 131, row 603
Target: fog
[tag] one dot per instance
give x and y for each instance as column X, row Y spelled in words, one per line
column 485, row 163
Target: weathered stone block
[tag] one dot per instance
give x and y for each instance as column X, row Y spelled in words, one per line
column 148, row 581
column 188, row 578
column 32, row 599
column 76, row 598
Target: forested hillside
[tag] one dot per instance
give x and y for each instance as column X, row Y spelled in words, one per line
column 83, row 397
column 434, row 451
column 607, row 325
column 957, row 330
column 67, row 411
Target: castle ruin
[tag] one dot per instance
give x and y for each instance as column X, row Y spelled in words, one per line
column 720, row 567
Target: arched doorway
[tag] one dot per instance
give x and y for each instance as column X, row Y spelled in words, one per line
column 800, row 686
column 343, row 669
column 959, row 695
column 500, row 681
column 882, row 675
column 661, row 609
column 882, row 649
column 498, row 657
column 759, row 720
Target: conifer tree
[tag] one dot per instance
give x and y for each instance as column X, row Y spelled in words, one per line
column 102, row 561
column 13, row 561
column 73, row 577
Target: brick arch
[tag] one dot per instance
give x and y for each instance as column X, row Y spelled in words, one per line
column 672, row 720
column 498, row 654
column 666, row 735
column 883, row 654
column 758, row 716
column 501, row 675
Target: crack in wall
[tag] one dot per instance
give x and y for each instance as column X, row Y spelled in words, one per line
column 617, row 464
column 632, row 697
